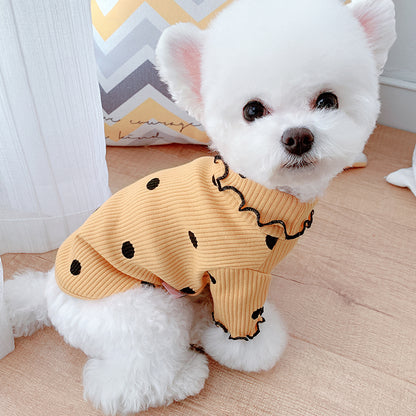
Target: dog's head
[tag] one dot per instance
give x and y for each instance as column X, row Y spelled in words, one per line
column 287, row 90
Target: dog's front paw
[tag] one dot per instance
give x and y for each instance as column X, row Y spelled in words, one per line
column 259, row 353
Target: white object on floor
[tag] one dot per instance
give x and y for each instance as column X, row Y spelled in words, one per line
column 405, row 177
column 6, row 333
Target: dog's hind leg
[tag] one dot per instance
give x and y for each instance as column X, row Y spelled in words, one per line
column 129, row 383
column 138, row 347
column 25, row 300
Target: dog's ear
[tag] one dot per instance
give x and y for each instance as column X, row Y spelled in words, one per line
column 378, row 20
column 178, row 56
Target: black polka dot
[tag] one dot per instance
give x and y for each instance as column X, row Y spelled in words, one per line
column 193, row 239
column 212, row 278
column 153, row 184
column 188, row 291
column 128, row 250
column 75, row 268
column 271, row 241
column 257, row 313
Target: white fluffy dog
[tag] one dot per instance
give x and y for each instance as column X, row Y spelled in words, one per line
column 288, row 93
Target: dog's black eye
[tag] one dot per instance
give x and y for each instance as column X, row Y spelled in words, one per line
column 326, row 101
column 253, row 110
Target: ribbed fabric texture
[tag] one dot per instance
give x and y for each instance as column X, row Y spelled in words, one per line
column 239, row 296
column 188, row 226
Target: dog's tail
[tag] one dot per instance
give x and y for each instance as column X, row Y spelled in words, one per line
column 25, row 300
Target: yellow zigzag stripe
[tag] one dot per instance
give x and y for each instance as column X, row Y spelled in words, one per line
column 149, row 110
column 168, row 9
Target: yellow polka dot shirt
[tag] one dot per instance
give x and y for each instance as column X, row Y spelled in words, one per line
column 188, row 227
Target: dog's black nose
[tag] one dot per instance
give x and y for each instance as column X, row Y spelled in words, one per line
column 298, row 140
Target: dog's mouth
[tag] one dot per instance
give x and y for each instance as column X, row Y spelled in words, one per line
column 300, row 164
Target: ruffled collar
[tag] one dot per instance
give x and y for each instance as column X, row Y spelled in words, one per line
column 277, row 213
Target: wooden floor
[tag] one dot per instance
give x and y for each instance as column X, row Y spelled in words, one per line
column 347, row 293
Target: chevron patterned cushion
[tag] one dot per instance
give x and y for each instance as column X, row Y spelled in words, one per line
column 137, row 107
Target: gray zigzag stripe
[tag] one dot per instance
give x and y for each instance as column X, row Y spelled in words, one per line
column 145, row 74
column 143, row 34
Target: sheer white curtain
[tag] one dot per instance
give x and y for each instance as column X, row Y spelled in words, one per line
column 53, row 172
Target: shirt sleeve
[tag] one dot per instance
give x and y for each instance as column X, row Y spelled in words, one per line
column 239, row 297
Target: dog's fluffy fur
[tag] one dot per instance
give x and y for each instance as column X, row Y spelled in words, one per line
column 283, row 54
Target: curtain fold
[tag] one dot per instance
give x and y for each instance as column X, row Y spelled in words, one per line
column 53, row 172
